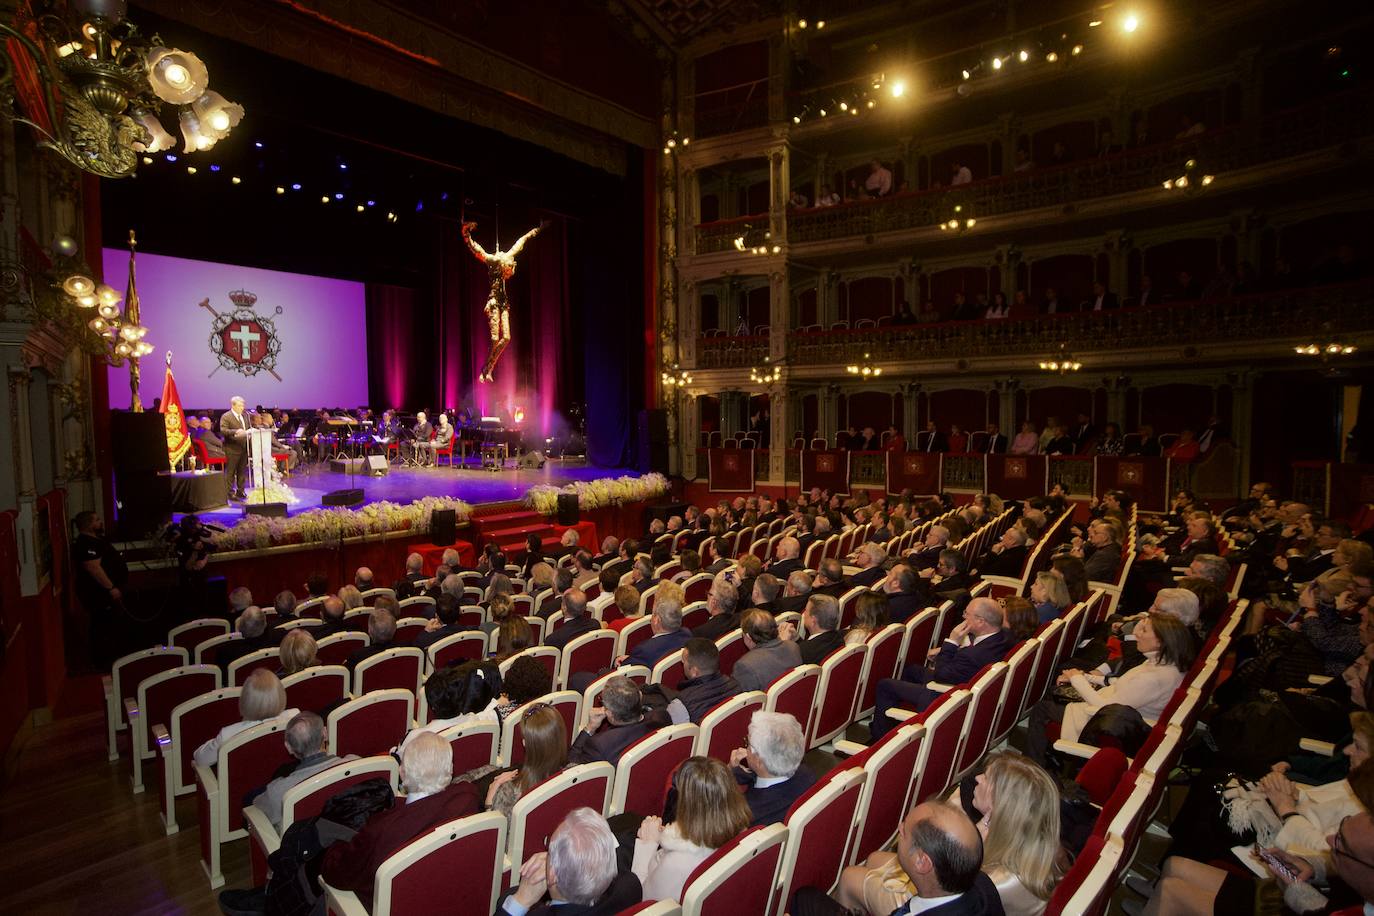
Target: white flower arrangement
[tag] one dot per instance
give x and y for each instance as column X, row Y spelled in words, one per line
column 595, row 494
column 329, row 526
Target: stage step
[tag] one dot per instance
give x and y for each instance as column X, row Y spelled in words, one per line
column 508, row 519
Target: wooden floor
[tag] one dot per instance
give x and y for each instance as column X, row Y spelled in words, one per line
column 75, row 839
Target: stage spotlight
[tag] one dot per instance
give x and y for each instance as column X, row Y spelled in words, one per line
column 258, row 144
column 338, row 196
column 296, row 186
column 236, row 180
column 820, row 23
column 324, row 198
column 1023, row 56
column 822, row 112
column 898, row 89
column 343, row 166
column 1052, row 57
column 997, row 63
column 361, row 208
column 281, row 190
column 1130, row 23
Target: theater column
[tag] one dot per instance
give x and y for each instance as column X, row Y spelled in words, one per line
column 779, row 187
column 689, row 435
column 779, row 438
column 779, row 313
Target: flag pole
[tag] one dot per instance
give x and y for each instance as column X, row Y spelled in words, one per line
column 131, row 317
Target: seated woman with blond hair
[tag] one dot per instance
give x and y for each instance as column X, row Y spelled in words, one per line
column 263, row 699
column 710, row 813
column 1017, row 803
column 297, row 652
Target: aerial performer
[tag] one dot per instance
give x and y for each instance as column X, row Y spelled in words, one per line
column 500, row 268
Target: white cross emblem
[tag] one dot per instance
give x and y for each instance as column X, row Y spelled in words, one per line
column 245, row 338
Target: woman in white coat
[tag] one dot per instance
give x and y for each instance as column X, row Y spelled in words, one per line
column 262, row 699
column 710, row 813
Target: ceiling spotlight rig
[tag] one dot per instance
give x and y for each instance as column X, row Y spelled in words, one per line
column 92, row 86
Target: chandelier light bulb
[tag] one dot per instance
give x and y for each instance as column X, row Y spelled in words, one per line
column 107, row 310
column 97, row 324
column 176, row 76
column 157, row 137
column 78, row 285
column 1023, row 56
column 1130, row 23
column 997, row 63
column 107, row 294
column 129, row 332
column 87, row 301
column 123, row 348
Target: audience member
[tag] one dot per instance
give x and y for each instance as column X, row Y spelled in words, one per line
column 307, row 741
column 578, row 874
column 262, row 699
column 819, row 634
column 768, row 656
column 770, row 766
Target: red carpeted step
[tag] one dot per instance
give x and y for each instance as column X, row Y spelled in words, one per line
column 508, row 519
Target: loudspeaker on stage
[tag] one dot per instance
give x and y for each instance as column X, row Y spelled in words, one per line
column 269, row 510
column 342, row 498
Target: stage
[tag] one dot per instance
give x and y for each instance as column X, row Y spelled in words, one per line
column 404, row 485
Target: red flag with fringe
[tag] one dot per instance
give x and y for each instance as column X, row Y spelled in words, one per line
column 174, row 418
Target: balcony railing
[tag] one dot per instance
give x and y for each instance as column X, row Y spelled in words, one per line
column 1273, row 315
column 1323, row 124
column 731, row 352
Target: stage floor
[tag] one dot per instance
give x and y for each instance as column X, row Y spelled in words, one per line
column 404, row 485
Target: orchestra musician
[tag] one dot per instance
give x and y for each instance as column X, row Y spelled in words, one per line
column 419, row 435
column 443, row 439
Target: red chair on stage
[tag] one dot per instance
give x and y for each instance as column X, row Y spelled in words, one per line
column 203, row 455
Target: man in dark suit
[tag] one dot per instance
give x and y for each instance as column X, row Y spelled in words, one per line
column 771, row 766
column 870, row 561
column 214, row 445
column 1082, row 432
column 610, row 550
column 787, row 558
column 576, row 621
column 1102, row 299
column 949, row 579
column 701, row 689
column 806, row 536
column 426, row 773
column 578, row 874
column 996, row 443
column 381, row 630
column 820, row 634
column 412, row 582
column 829, row 579
column 928, row 554
column 935, row 440
column 905, row 597
column 233, row 429
column 1008, row 556
column 669, row 636
column 722, row 603
column 795, row 594
column 979, row 640
column 625, row 557
column 445, row 623
column 940, row 848
column 613, row 726
column 767, row 591
column 252, row 626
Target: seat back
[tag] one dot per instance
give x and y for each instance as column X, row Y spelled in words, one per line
column 192, row 633
column 884, row 655
column 418, row 605
column 136, row 667
column 1020, row 668
column 545, row 655
column 316, row 688
column 739, row 877
column 815, row 552
column 732, row 648
column 470, row 645
column 643, row 771
column 841, row 675
column 543, row 808
column 247, row 761
column 1050, row 638
column 589, row 652
column 670, row 669
column 336, row 649
column 308, row 797
column 569, row 706
column 821, row 828
column 920, row 636
column 697, row 587
column 794, row 693
column 474, row 744
column 987, row 690
column 470, row 846
column 240, row 668
column 634, row 633
column 162, row 693
column 726, row 726
column 695, row 614
column 886, row 796
column 1087, row 887
column 194, row 722
column 356, row 619
column 944, row 722
column 371, row 724
column 407, row 628
column 849, row 605
column 311, row 607
column 394, row 669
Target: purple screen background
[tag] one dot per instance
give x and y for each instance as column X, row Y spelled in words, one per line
column 322, row 328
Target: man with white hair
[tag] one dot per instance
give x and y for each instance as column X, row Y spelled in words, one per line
column 252, row 627
column 569, row 540
column 431, row 798
column 979, row 640
column 578, row 874
column 722, row 603
column 795, row 593
column 786, row 559
column 233, row 429
column 771, row 766
column 1008, row 556
column 870, row 560
column 610, row 547
column 240, row 599
column 928, row 554
column 1211, row 567
column 307, row 740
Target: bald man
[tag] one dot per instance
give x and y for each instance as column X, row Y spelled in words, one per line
column 941, row 851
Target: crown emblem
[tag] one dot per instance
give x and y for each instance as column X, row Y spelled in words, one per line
column 243, row 298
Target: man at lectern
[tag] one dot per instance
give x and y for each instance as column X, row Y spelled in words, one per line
column 233, row 429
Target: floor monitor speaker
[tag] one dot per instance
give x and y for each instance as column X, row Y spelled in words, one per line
column 270, row 510
column 443, row 527
column 342, row 498
column 377, row 465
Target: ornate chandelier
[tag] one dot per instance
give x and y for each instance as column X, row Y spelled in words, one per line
column 767, row 374
column 1327, row 346
column 1062, row 363
column 678, row 378
column 121, row 331
column 866, row 369
column 93, row 86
